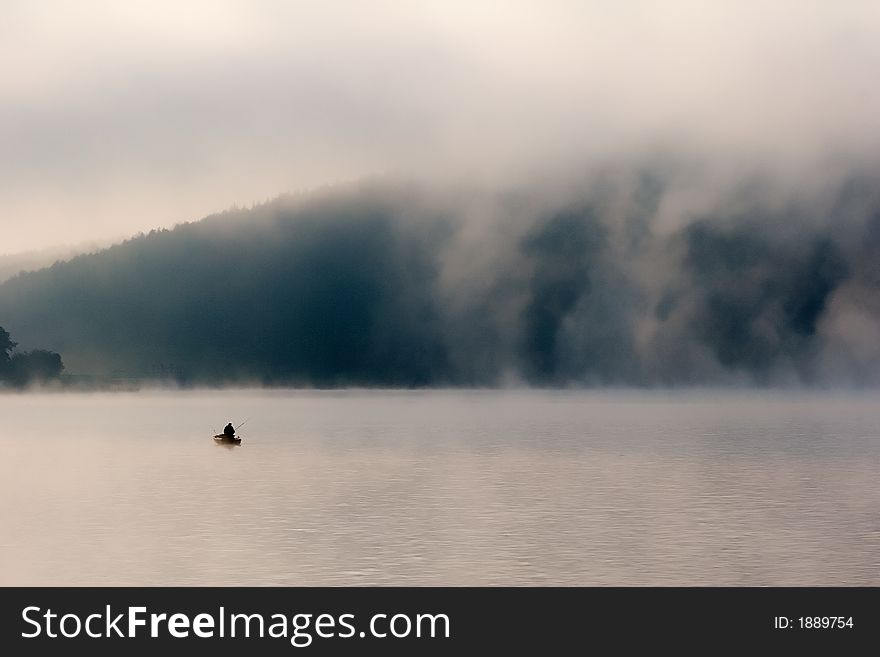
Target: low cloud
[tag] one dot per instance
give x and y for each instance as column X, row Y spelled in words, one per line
column 118, row 118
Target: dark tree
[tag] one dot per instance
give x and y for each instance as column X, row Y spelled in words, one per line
column 6, row 346
column 20, row 369
column 38, row 365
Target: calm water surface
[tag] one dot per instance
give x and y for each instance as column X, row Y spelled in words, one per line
column 445, row 488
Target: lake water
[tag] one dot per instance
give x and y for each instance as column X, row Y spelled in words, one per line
column 442, row 488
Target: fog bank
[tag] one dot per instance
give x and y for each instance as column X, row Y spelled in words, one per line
column 120, row 117
column 633, row 276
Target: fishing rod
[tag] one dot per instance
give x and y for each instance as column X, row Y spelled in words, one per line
column 241, row 425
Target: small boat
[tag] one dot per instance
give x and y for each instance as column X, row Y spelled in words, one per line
column 223, row 439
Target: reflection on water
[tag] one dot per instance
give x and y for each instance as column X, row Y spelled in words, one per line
column 439, row 488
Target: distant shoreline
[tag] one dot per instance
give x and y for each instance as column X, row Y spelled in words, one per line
column 84, row 385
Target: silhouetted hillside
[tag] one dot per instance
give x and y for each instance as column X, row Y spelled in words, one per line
column 396, row 284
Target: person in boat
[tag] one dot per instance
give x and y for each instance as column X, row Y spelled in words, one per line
column 229, row 431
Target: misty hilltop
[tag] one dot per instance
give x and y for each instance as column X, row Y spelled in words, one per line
column 15, row 263
column 647, row 276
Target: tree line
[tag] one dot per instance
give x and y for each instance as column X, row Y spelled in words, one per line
column 21, row 368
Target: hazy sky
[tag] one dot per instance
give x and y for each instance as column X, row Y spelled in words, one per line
column 121, row 116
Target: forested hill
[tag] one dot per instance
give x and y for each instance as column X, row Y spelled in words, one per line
column 397, row 285
column 15, row 263
column 326, row 291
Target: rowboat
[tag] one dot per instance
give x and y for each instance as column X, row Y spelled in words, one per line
column 223, row 439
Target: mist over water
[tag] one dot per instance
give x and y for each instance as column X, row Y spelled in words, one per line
column 441, row 487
